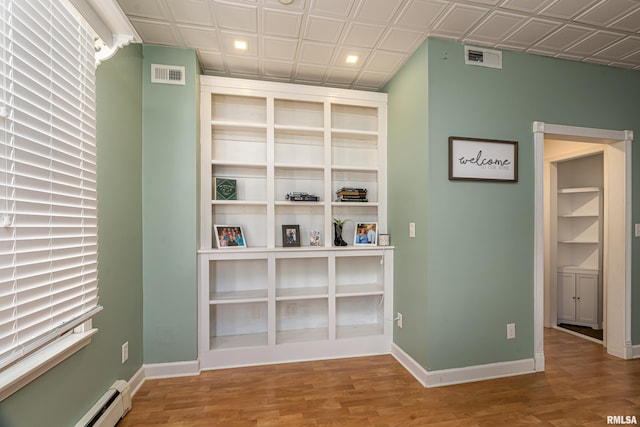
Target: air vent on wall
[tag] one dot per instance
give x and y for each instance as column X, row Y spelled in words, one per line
column 482, row 57
column 168, row 74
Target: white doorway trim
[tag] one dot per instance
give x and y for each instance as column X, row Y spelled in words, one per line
column 617, row 261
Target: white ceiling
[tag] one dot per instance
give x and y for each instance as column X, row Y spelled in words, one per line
column 307, row 41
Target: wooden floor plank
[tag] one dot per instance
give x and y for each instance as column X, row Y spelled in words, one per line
column 581, row 386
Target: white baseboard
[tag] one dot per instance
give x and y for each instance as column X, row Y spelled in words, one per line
column 136, row 381
column 462, row 375
column 538, row 359
column 162, row 370
column 414, row 368
column 635, row 352
column 171, row 370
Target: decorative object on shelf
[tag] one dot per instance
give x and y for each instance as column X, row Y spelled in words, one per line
column 337, row 230
column 384, row 240
column 302, row 197
column 366, row 233
column 352, row 194
column 314, row 238
column 475, row 159
column 224, row 189
column 229, row 236
column 290, row 236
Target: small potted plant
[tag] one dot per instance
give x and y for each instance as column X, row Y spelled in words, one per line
column 337, row 230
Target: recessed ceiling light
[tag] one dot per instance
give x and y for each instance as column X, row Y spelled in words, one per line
column 352, row 59
column 240, row 44
column 286, row 1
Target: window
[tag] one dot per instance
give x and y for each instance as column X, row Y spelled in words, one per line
column 48, row 204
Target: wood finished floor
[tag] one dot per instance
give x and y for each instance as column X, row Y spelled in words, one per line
column 581, row 386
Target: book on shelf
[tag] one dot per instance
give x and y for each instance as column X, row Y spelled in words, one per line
column 352, row 194
column 224, row 188
column 302, row 197
column 351, row 191
column 359, row 200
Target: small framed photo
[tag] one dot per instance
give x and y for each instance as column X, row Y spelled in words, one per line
column 366, row 233
column 229, row 236
column 290, row 236
column 314, row 238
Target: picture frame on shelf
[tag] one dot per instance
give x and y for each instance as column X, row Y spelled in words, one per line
column 229, row 236
column 366, row 233
column 290, row 236
column 475, row 159
column 314, row 238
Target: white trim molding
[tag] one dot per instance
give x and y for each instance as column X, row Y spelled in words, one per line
column 414, row 368
column 172, row 370
column 617, row 264
column 136, row 381
column 111, row 25
column 17, row 376
column 163, row 370
column 466, row 374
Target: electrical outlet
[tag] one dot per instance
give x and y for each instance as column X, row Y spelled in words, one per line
column 125, row 352
column 511, row 331
column 412, row 229
column 399, row 320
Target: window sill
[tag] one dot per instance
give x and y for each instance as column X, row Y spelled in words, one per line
column 22, row 373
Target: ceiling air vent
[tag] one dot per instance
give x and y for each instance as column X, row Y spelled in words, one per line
column 482, row 57
column 168, row 74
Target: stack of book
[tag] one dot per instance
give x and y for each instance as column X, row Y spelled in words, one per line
column 352, row 194
column 302, row 197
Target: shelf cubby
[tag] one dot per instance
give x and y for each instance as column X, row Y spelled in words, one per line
column 239, row 145
column 302, row 320
column 239, row 109
column 309, row 215
column 359, row 316
column 299, row 147
column 349, row 117
column 238, row 325
column 302, row 180
column 298, row 113
column 305, row 271
column 238, row 280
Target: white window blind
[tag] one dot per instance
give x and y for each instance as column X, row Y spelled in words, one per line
column 48, row 210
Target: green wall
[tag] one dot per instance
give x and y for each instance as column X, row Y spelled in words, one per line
column 65, row 393
column 169, row 188
column 408, row 96
column 476, row 274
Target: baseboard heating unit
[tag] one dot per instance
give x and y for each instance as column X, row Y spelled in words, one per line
column 110, row 408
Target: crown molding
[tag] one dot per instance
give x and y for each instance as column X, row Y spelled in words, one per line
column 112, row 28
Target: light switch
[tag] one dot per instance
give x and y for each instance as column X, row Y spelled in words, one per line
column 637, row 230
column 412, row 229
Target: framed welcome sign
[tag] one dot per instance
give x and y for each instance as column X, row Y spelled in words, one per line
column 483, row 159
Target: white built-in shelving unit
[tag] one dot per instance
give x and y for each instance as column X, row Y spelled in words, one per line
column 267, row 303
column 579, row 252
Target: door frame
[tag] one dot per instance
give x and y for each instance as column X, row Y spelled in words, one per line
column 617, row 239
